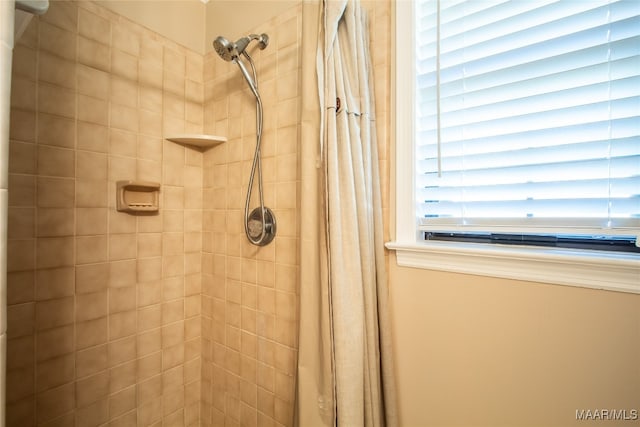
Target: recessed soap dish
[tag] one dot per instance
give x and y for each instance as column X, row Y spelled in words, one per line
column 137, row 196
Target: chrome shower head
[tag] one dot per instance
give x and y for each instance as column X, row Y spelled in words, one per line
column 225, row 48
column 231, row 51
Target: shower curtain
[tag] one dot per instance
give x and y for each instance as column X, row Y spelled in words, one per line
column 344, row 363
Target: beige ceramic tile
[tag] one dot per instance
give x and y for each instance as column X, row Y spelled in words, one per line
column 95, row 413
column 122, row 143
column 57, row 40
column 122, row 246
column 124, row 65
column 173, row 356
column 20, row 320
column 121, row 168
column 124, row 92
column 173, row 83
column 21, row 221
column 23, row 157
column 173, row 221
column 149, row 244
column 54, row 252
column 174, row 61
column 90, row 221
column 122, row 273
column 92, row 137
column 150, row 148
column 93, row 54
column 122, row 402
column 22, row 190
column 124, row 118
column 150, row 389
column 56, row 100
column 150, row 413
column 54, row 342
column 23, row 93
column 93, row 110
column 55, row 402
column 55, row 222
column 91, row 361
column 194, row 92
column 91, row 389
column 91, row 249
column 149, row 170
column 172, row 334
column 91, row 277
column 55, row 70
column 150, row 99
column 54, row 130
column 173, row 106
column 149, row 270
column 53, row 161
column 52, row 313
column 122, row 324
column 120, row 222
column 22, row 125
column 121, row 351
column 91, row 306
column 92, row 82
column 173, row 311
column 150, row 75
column 122, row 299
column 150, row 123
column 172, row 243
column 20, row 287
column 124, row 39
column 147, row 343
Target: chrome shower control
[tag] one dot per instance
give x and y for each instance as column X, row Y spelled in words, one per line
column 254, row 226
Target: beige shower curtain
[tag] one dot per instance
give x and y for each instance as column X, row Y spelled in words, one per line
column 344, row 365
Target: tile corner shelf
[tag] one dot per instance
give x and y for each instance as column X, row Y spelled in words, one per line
column 196, row 140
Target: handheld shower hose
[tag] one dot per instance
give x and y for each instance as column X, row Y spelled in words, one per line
column 260, row 223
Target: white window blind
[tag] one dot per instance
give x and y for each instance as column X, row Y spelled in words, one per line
column 528, row 116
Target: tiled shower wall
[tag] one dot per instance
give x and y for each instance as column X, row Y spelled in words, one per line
column 249, row 293
column 103, row 306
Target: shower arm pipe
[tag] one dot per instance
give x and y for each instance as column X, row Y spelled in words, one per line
column 257, row 163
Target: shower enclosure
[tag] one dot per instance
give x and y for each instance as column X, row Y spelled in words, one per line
column 174, row 317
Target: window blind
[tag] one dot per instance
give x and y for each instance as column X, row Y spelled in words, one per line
column 528, row 116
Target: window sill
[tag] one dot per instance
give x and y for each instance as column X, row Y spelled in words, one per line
column 596, row 270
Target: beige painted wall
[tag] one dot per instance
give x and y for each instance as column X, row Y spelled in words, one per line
column 182, row 21
column 234, row 19
column 194, row 24
column 484, row 351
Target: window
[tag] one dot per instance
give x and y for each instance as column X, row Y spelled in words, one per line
column 524, row 118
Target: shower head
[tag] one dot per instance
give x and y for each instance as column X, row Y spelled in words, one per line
column 225, row 48
column 231, row 51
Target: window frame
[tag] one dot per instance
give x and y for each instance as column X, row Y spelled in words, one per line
column 614, row 271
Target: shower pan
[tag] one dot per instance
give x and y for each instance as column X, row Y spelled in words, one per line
column 259, row 223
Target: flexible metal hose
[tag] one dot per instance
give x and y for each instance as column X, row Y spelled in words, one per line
column 256, row 166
